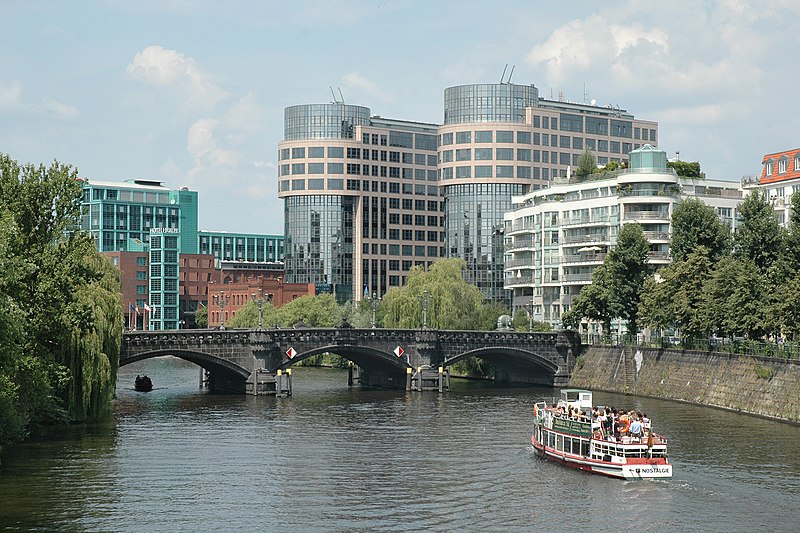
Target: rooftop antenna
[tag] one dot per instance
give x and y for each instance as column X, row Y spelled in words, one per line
column 340, row 94
column 511, row 73
column 585, row 94
column 504, row 73
column 333, row 94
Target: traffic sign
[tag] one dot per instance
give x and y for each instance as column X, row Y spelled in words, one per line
column 399, row 351
column 291, row 352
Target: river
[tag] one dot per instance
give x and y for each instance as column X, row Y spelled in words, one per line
column 331, row 458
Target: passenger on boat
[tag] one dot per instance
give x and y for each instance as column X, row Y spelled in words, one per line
column 636, row 429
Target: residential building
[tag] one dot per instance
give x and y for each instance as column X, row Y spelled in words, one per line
column 779, row 180
column 557, row 237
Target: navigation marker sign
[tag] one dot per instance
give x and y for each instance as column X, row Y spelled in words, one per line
column 399, row 351
column 291, row 352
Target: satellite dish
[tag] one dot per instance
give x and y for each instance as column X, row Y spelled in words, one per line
column 593, row 102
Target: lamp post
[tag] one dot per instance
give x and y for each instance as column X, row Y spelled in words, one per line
column 223, row 300
column 260, row 301
column 530, row 316
column 424, row 299
column 373, row 303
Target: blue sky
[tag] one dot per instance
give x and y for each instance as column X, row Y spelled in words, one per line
column 192, row 92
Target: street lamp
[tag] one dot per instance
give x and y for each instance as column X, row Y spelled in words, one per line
column 530, row 315
column 424, row 299
column 374, row 302
column 260, row 303
column 223, row 300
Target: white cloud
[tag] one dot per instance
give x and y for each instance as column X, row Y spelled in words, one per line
column 60, row 109
column 11, row 95
column 365, row 86
column 203, row 147
column 168, row 68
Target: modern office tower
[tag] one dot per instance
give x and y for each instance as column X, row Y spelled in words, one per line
column 557, row 237
column 362, row 203
column 503, row 140
column 779, row 180
column 367, row 198
column 120, row 213
column 245, row 247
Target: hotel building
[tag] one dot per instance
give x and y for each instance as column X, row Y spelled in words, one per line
column 367, row 198
column 557, row 237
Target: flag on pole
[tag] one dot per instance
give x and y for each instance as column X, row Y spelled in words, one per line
column 131, row 307
column 137, row 309
column 366, row 291
column 146, row 308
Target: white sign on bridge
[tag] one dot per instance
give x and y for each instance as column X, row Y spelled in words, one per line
column 291, row 352
column 399, row 351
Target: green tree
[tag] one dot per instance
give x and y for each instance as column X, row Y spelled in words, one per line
column 201, row 316
column 758, row 237
column 592, row 302
column 587, row 163
column 63, row 349
column 686, row 169
column 696, row 224
column 452, row 302
column 675, row 296
column 627, row 268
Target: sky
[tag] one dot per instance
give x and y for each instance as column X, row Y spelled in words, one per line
column 192, row 93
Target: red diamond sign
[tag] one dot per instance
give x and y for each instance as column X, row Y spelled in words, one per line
column 291, row 353
column 399, row 351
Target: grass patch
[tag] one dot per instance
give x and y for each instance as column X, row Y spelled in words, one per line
column 764, row 372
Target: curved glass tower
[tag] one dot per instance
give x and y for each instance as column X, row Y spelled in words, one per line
column 485, row 159
column 362, row 204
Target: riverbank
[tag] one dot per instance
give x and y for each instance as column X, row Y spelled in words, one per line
column 761, row 386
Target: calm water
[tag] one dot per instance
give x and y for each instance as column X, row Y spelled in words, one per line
column 337, row 459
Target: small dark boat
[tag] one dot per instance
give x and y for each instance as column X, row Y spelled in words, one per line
column 143, row 384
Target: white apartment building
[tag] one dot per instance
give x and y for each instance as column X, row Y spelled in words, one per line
column 556, row 237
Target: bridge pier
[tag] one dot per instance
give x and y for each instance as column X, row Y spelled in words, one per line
column 262, row 382
column 428, row 379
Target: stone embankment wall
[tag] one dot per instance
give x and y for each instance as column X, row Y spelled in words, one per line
column 761, row 386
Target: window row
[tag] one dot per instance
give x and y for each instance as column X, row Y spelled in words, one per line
column 337, row 184
column 357, row 169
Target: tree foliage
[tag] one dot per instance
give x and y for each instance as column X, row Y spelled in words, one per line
column 587, row 163
column 759, row 237
column 61, row 322
column 686, row 169
column 696, row 224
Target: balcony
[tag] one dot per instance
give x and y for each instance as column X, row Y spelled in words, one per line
column 656, row 236
column 585, row 221
column 516, row 263
column 647, row 215
column 589, row 257
column 583, row 276
column 519, row 244
column 591, row 237
column 518, row 281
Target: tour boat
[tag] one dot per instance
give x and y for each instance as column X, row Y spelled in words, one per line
column 580, row 441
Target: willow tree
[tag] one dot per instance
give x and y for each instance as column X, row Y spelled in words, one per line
column 441, row 292
column 66, row 293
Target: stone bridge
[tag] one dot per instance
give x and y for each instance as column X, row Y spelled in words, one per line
column 234, row 359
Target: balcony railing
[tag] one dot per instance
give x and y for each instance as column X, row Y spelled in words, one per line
column 647, row 215
column 656, row 236
column 519, row 244
column 591, row 237
column 585, row 258
column 584, row 276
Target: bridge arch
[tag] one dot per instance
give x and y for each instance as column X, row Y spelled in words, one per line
column 208, row 361
column 512, row 364
column 368, row 358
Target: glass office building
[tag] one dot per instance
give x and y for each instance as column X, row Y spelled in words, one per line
column 245, row 247
column 367, row 198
